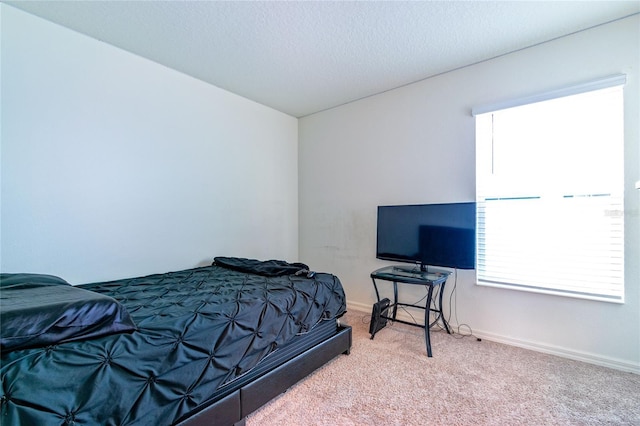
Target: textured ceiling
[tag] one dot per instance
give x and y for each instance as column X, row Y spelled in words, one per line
column 301, row 57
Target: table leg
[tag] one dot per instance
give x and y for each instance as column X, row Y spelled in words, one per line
column 395, row 299
column 427, row 334
column 444, row 321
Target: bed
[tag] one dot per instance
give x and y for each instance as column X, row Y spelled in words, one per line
column 203, row 346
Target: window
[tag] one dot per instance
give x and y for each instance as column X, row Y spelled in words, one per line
column 549, row 192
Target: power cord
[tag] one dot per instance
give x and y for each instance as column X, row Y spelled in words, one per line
column 453, row 302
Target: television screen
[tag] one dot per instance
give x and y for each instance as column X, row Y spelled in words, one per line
column 428, row 234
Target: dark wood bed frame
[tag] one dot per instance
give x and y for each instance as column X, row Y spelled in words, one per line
column 232, row 409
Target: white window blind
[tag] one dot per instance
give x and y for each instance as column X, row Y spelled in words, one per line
column 550, row 193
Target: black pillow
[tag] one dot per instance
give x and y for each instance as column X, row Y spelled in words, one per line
column 41, row 310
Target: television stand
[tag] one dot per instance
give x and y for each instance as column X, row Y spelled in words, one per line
column 429, row 278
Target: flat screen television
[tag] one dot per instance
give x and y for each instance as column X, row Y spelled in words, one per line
column 428, row 234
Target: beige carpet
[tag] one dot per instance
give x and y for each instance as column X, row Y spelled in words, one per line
column 390, row 381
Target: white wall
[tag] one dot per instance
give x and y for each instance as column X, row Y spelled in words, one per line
column 415, row 144
column 115, row 166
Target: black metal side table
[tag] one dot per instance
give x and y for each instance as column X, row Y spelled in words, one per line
column 406, row 275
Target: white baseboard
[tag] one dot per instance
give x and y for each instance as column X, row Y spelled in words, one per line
column 587, row 357
column 360, row 307
column 590, row 358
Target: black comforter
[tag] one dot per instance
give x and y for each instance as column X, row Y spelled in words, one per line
column 195, row 332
